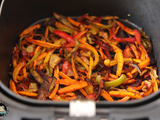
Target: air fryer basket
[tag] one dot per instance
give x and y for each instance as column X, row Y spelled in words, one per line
column 17, row 15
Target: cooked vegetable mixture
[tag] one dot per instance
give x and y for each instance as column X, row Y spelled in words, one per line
column 97, row 58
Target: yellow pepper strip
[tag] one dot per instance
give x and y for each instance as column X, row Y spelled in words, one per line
column 81, row 62
column 42, row 43
column 141, row 65
column 89, row 47
column 108, row 62
column 90, row 68
column 119, row 59
column 106, row 96
column 17, row 69
column 134, row 49
column 48, row 56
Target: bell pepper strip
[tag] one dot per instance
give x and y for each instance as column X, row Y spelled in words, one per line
column 119, row 59
column 141, row 65
column 124, row 99
column 64, row 20
column 90, row 68
column 106, row 96
column 126, row 29
column 116, row 82
column 137, row 35
column 65, row 66
column 47, row 58
column 81, row 62
column 73, row 65
column 27, row 93
column 154, row 77
column 89, row 47
column 122, row 94
column 130, row 89
column 24, row 69
column 41, row 56
column 73, row 50
column 143, row 56
column 64, row 35
column 42, row 43
column 17, row 69
column 113, row 76
column 46, row 33
column 34, row 57
column 75, row 23
column 130, row 81
column 13, row 86
column 148, row 92
column 35, row 61
column 30, row 29
column 80, row 34
column 63, row 75
column 78, row 85
column 109, row 17
column 134, row 49
column 83, row 92
column 89, row 89
column 129, row 39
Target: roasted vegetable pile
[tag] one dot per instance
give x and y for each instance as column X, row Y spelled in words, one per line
column 90, row 57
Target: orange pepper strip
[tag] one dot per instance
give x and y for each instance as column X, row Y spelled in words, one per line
column 30, row 29
column 126, row 29
column 80, row 34
column 67, row 81
column 119, row 59
column 17, row 69
column 125, row 93
column 26, row 93
column 143, row 56
column 41, row 56
column 148, row 92
column 13, row 86
column 113, row 76
column 63, row 75
column 87, row 46
column 75, row 23
column 56, row 72
column 53, row 93
column 46, row 32
column 73, row 66
column 78, row 85
column 126, row 98
column 141, row 65
column 24, row 72
column 130, row 81
column 134, row 49
column 130, row 89
column 139, row 87
column 83, row 92
column 42, row 43
column 106, row 96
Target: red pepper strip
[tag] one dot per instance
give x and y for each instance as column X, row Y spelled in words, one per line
column 64, row 35
column 129, row 39
column 126, row 29
column 137, row 35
